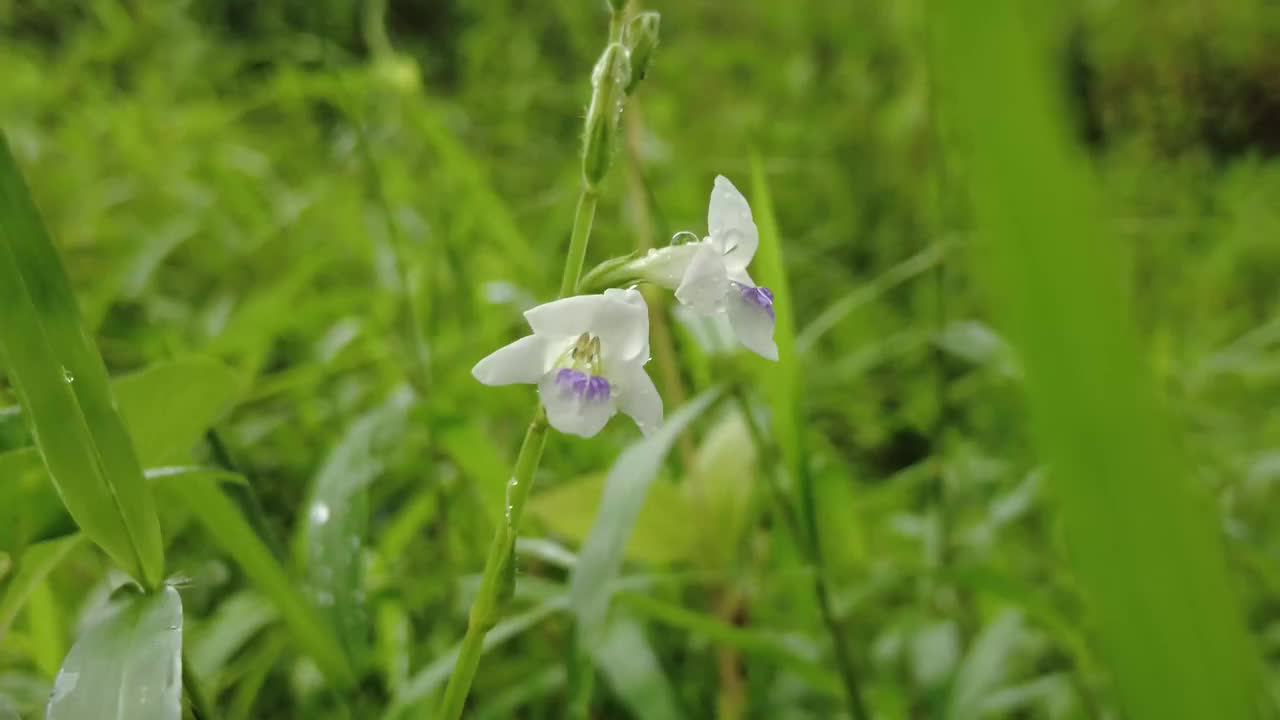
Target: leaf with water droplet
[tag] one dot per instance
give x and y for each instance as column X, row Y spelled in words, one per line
column 127, row 667
column 329, row 543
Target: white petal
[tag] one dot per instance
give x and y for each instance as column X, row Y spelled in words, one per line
column 705, row 281
column 752, row 323
column 523, row 361
column 638, row 398
column 618, row 317
column 741, row 277
column 729, row 221
column 569, row 413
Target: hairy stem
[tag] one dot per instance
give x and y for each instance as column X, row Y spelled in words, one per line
column 485, row 609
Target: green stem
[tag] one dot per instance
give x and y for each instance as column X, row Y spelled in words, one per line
column 582, row 220
column 484, row 611
column 809, row 543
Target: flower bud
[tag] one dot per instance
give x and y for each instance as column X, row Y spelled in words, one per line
column 642, row 38
column 611, row 74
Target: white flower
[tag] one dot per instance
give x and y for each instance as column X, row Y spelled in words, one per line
column 710, row 276
column 587, row 356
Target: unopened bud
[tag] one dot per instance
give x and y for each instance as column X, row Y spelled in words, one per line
column 642, row 38
column 608, row 80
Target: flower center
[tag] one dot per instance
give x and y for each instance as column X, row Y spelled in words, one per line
column 580, row 373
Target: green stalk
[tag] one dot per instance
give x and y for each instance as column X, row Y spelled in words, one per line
column 809, row 542
column 582, row 220
column 484, row 611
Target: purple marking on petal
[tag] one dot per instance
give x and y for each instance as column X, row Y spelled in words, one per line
column 588, row 387
column 570, row 377
column 759, row 296
column 597, row 388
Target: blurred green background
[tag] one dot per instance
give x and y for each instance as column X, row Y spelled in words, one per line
column 350, row 203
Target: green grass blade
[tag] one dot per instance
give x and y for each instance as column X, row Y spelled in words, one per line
column 624, row 493
column 35, row 565
column 127, row 667
column 780, row 383
column 433, row 676
column 63, row 386
column 630, row 666
column 1138, row 529
column 229, row 530
column 331, row 543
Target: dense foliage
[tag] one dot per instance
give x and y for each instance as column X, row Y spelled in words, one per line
column 293, row 227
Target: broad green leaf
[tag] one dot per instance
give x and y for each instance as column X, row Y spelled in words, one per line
column 665, row 532
column 229, row 530
column 169, row 406
column 625, row 490
column 631, row 668
column 127, row 667
column 717, row 488
column 35, row 564
column 1140, row 531
column 336, row 520
column 62, row 384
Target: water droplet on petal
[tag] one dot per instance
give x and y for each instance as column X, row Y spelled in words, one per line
column 684, row 237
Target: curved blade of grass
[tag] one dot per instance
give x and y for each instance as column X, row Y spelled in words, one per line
column 780, row 383
column 985, row 667
column 127, row 667
column 35, row 565
column 331, row 540
column 433, row 676
column 624, row 493
column 1139, row 530
column 764, row 645
column 62, row 384
column 221, row 518
column 631, row 668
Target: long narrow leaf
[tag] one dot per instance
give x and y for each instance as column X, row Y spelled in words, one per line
column 1138, row 529
column 63, row 387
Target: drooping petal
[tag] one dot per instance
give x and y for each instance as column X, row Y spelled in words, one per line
column 638, row 398
column 705, row 281
column 729, row 220
column 618, row 317
column 575, row 404
column 523, row 361
column 751, row 314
